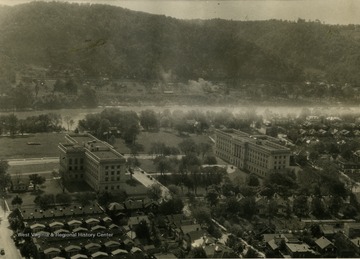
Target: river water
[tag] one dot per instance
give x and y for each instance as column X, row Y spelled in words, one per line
column 78, row 113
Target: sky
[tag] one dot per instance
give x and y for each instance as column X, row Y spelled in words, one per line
column 327, row 11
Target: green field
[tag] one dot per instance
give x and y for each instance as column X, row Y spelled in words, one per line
column 32, row 168
column 147, row 138
column 18, row 148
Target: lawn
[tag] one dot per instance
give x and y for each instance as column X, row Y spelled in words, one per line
column 32, row 168
column 49, row 187
column 170, row 139
column 18, row 148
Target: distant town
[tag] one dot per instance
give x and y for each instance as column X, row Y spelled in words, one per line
column 173, row 184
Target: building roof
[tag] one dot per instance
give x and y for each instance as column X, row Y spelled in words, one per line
column 298, row 248
column 37, row 225
column 52, row 250
column 78, row 256
column 323, row 242
column 99, row 254
column 111, row 243
column 165, row 256
column 137, row 219
column 71, row 248
column 56, row 223
column 119, row 251
column 92, row 245
column 190, row 228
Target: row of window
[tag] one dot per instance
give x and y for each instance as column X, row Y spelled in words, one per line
column 112, row 179
column 76, row 168
column 76, row 161
column 112, row 187
column 112, row 167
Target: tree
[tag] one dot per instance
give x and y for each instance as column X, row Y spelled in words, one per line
column 85, row 198
column 36, row 180
column 163, row 164
column 44, row 201
column 149, row 120
column 210, row 160
column 12, row 124
column 16, row 201
column 251, row 253
column 63, row 198
column 155, row 191
column 197, row 252
column 104, row 198
column 212, row 196
column 188, row 146
column 142, row 230
column 204, row 149
column 252, row 180
column 4, row 176
column 301, row 207
column 201, row 214
column 67, row 120
column 172, row 206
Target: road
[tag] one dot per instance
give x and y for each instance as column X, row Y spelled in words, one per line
column 6, row 243
column 33, row 161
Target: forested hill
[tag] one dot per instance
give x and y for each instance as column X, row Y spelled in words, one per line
column 101, row 40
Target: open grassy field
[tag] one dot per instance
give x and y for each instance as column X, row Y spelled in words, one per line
column 18, row 148
column 170, row 139
column 32, row 168
column 50, row 186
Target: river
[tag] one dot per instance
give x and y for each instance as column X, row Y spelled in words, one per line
column 79, row 114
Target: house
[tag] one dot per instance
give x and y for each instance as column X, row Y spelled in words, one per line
column 325, row 247
column 352, row 229
column 134, row 221
column 299, row 250
column 165, row 256
column 119, row 254
column 72, row 250
column 51, row 252
column 21, row 184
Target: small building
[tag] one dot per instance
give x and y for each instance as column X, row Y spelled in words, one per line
column 21, row 184
column 299, row 250
column 325, row 247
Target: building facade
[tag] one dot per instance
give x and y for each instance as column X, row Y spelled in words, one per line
column 258, row 154
column 85, row 158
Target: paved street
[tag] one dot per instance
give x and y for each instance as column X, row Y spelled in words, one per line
column 33, row 161
column 6, row 243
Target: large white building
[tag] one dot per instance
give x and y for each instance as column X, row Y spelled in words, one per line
column 85, row 158
column 258, row 154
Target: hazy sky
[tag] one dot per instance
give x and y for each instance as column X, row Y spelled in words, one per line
column 328, row 11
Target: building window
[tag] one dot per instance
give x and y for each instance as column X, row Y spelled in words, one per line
column 118, row 167
column 106, row 167
column 118, row 187
column 75, row 167
column 112, row 167
column 75, row 160
column 106, row 187
column 106, row 173
column 118, row 178
column 81, row 160
column 70, row 161
column 112, row 172
column 70, row 168
column 112, row 187
column 118, row 172
column 106, row 179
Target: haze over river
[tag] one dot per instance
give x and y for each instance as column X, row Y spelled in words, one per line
column 79, row 114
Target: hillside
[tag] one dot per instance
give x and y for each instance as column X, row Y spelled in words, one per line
column 105, row 40
column 100, row 40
